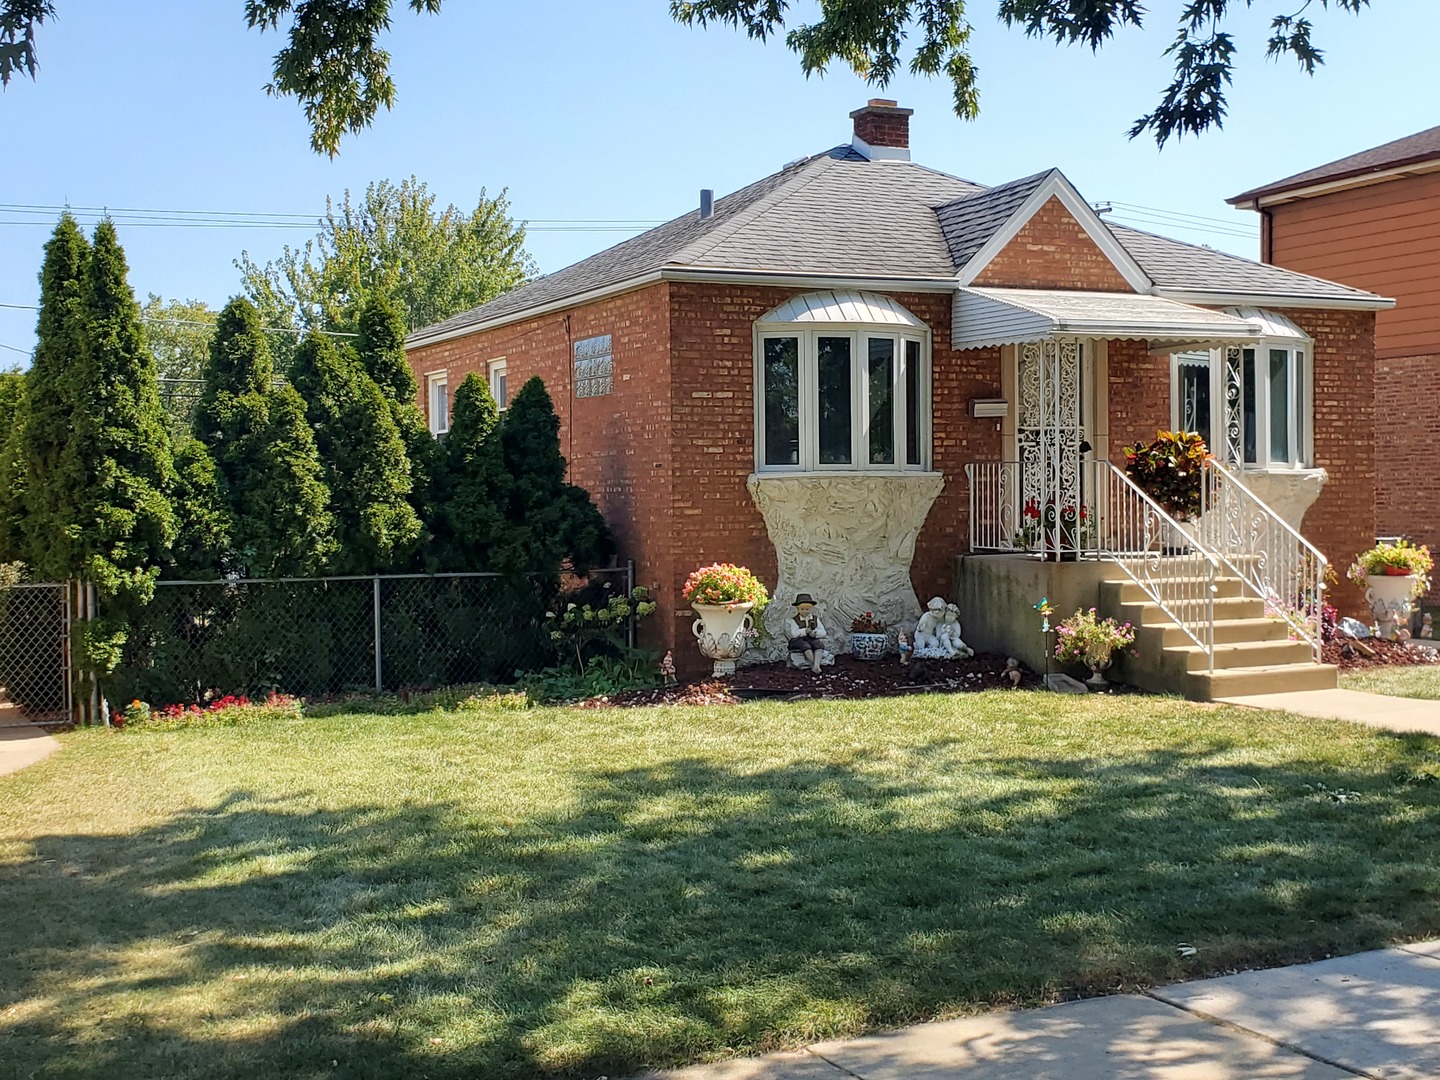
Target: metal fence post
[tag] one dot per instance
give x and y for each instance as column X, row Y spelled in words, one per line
column 379, row 680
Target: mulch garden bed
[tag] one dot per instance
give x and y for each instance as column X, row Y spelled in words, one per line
column 1360, row 655
column 846, row 678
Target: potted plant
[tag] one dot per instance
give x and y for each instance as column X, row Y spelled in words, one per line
column 1090, row 640
column 1063, row 530
column 1170, row 470
column 1393, row 577
column 867, row 637
column 726, row 598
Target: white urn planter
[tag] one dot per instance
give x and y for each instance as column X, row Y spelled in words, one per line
column 1390, row 599
column 869, row 646
column 722, row 631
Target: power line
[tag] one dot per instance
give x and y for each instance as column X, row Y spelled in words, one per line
column 12, row 348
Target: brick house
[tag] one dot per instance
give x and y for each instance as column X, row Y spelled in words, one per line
column 855, row 376
column 1373, row 220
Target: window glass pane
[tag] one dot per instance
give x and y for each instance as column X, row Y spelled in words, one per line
column 439, row 406
column 1280, row 405
column 498, row 389
column 782, row 401
column 833, row 361
column 1247, row 408
column 1194, row 390
column 912, row 403
column 882, row 401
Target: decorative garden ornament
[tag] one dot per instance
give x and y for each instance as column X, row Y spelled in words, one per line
column 1389, row 598
column 723, row 631
column 667, row 668
column 937, row 634
column 806, row 634
column 1097, row 666
column 902, row 643
column 868, row 640
column 1013, row 673
column 950, row 634
column 1427, row 626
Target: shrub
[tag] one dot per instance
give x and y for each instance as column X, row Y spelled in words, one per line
column 724, row 584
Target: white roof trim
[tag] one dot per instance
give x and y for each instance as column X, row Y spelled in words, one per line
column 842, row 306
column 1056, row 186
column 990, row 316
column 1362, row 302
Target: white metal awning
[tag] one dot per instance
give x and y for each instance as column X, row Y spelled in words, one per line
column 986, row 316
column 842, row 306
column 1273, row 325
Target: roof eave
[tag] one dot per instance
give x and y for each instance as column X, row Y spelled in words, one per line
column 944, row 284
column 1287, row 191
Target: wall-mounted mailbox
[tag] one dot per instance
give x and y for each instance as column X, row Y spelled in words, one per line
column 988, row 407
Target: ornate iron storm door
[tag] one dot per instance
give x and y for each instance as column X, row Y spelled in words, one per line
column 1049, row 429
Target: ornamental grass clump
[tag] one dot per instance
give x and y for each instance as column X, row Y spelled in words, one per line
column 1169, row 470
column 725, row 585
column 1400, row 559
column 1087, row 639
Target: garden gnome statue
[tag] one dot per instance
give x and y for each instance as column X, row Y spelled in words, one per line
column 902, row 643
column 667, row 668
column 1427, row 626
column 806, row 632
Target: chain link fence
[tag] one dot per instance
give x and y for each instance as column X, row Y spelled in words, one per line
column 34, row 654
column 327, row 636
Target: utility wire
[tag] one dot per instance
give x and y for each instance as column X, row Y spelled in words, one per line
column 12, row 348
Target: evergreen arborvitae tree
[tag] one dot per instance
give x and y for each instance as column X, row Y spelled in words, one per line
column 124, row 517
column 381, row 351
column 14, row 409
column 551, row 522
column 365, row 462
column 49, row 539
column 473, row 488
column 270, row 485
column 203, row 537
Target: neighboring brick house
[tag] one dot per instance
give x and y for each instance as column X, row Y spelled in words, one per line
column 812, row 376
column 1373, row 220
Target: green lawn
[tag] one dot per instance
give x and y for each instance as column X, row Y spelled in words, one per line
column 509, row 893
column 1411, row 682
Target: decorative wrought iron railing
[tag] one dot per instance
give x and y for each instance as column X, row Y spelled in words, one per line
column 1258, row 546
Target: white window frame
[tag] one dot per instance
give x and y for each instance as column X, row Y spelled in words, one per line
column 432, row 380
column 808, row 335
column 497, row 367
column 1300, row 409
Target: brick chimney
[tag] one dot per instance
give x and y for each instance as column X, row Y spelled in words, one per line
column 882, row 130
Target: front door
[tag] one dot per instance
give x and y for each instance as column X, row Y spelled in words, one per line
column 1049, row 430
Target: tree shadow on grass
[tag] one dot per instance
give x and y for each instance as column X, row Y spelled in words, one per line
column 691, row 908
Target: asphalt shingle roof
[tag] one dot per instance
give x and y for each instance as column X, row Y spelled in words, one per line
column 838, row 213
column 1422, row 146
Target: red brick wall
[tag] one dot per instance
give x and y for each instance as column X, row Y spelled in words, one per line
column 1407, row 439
column 618, row 446
column 1139, row 391
column 1342, row 521
column 1052, row 251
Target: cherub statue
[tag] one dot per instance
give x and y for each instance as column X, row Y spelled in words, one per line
column 949, row 634
column 927, row 630
column 806, row 633
column 667, row 668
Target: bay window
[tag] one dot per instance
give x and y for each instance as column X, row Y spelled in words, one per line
column 842, row 398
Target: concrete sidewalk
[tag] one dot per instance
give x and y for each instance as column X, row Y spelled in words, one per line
column 1375, row 710
column 1374, row 1015
column 24, row 745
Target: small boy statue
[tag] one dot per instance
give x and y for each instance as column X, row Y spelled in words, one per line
column 667, row 668
column 806, row 632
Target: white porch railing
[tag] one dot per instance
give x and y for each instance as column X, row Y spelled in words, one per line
column 1113, row 520
column 1278, row 564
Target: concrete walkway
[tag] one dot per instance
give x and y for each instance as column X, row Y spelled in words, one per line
column 21, row 746
column 1374, row 1015
column 1376, row 710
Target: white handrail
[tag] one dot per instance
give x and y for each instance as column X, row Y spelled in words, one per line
column 1265, row 551
column 1158, row 553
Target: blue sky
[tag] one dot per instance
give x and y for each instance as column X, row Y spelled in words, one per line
column 610, row 110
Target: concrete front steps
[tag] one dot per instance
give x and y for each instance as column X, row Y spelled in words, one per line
column 1253, row 654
